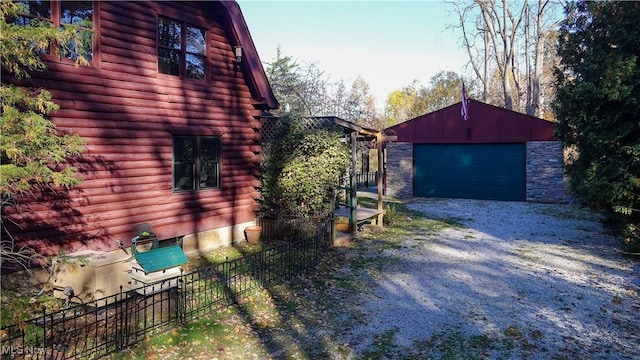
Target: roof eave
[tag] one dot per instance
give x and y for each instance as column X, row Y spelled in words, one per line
column 251, row 64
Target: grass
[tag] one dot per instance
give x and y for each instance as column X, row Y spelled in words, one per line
column 217, row 256
column 310, row 316
column 401, row 221
column 573, row 213
column 383, row 345
column 453, row 345
column 220, row 335
column 282, row 321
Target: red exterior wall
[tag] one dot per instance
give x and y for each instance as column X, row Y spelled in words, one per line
column 127, row 113
column 486, row 124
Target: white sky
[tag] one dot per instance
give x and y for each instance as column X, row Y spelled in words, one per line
column 388, row 43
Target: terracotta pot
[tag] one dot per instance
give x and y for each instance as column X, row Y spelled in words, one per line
column 342, row 227
column 253, row 234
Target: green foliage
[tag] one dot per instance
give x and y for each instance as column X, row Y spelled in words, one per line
column 303, row 169
column 21, row 45
column 306, row 89
column 360, row 107
column 444, row 89
column 391, row 214
column 31, row 147
column 301, row 87
column 18, row 308
column 598, row 102
column 32, row 152
column 285, row 81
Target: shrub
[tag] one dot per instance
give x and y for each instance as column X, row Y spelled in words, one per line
column 302, row 170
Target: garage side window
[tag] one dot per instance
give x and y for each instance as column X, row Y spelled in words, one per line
column 196, row 163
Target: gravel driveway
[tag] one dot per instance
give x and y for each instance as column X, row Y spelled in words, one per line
column 514, row 280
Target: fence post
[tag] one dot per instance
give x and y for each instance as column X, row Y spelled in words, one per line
column 130, row 323
column 181, row 298
column 44, row 333
column 262, row 268
column 118, row 332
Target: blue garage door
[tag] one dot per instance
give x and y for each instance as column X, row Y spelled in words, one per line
column 470, row 171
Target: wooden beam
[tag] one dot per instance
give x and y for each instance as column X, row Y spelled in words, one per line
column 379, row 138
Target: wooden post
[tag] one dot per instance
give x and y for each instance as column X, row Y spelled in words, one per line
column 380, row 220
column 353, row 219
column 332, row 222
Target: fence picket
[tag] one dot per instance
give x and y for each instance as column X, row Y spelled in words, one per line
column 90, row 331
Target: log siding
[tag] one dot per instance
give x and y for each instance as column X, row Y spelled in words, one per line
column 127, row 113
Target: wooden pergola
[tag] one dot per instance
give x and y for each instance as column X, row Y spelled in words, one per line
column 355, row 133
column 357, row 214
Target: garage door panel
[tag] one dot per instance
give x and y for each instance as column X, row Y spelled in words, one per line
column 477, row 171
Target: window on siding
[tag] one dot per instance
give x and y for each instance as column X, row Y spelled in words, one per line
column 36, row 9
column 181, row 49
column 196, row 163
column 65, row 13
column 79, row 14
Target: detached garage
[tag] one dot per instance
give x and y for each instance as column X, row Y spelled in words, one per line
column 496, row 154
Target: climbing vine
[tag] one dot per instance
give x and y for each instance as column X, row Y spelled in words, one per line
column 302, row 170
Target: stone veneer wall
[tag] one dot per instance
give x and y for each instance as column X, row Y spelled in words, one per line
column 545, row 172
column 399, row 169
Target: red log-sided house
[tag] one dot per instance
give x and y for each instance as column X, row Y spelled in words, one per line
column 170, row 110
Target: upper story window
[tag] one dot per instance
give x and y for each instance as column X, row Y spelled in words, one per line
column 61, row 14
column 181, row 49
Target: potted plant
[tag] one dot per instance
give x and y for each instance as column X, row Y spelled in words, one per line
column 342, row 224
column 253, row 234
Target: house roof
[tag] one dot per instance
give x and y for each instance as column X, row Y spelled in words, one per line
column 486, row 124
column 250, row 64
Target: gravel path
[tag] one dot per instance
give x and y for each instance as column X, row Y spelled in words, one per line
column 516, row 280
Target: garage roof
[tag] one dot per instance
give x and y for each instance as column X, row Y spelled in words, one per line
column 486, row 124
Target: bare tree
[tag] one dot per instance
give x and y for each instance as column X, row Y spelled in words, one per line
column 304, row 88
column 508, row 42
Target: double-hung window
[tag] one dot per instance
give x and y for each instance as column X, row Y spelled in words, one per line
column 181, row 49
column 60, row 14
column 196, row 163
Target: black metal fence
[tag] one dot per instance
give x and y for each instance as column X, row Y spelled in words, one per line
column 93, row 330
column 289, row 228
column 367, row 180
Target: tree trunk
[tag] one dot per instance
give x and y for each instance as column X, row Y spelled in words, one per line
column 539, row 61
column 520, row 71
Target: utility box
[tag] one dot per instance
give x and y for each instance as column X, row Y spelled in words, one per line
column 92, row 275
column 155, row 282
